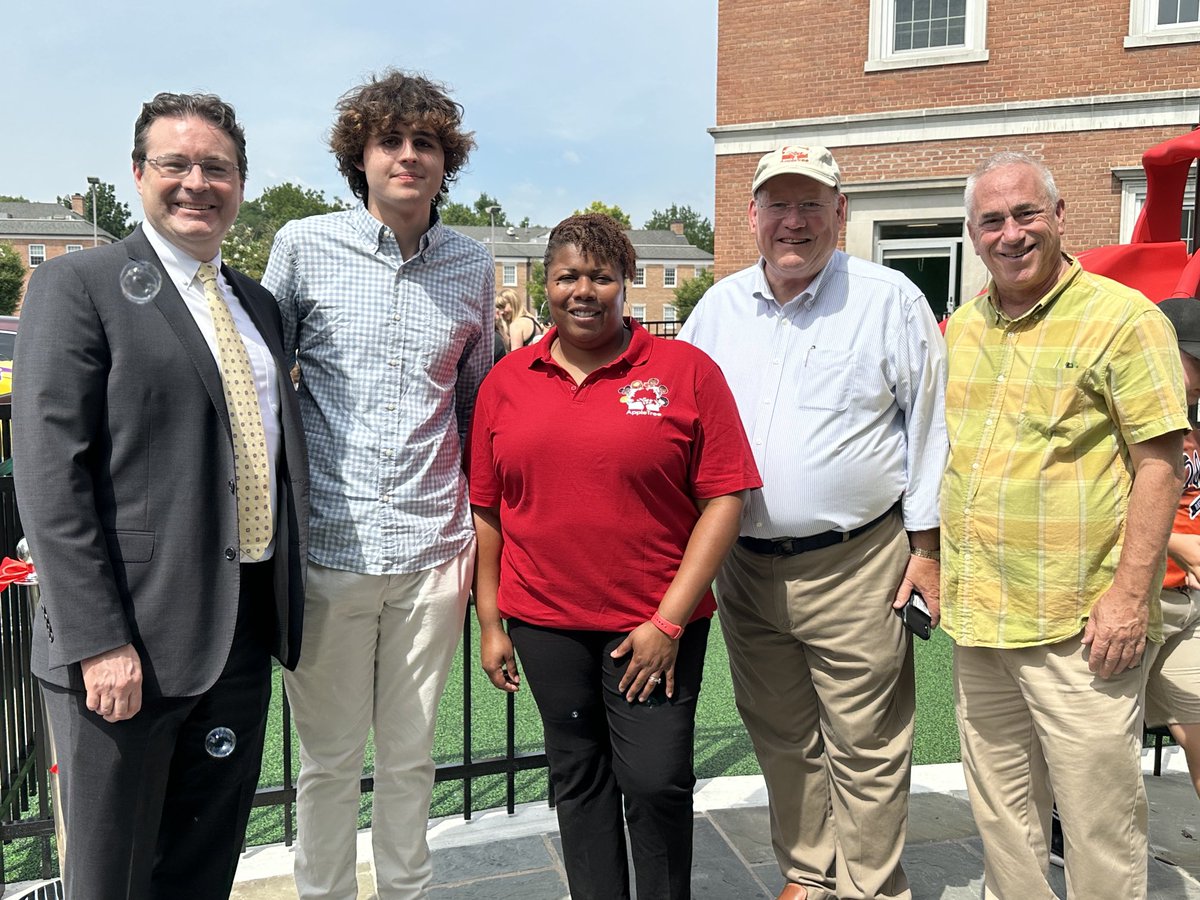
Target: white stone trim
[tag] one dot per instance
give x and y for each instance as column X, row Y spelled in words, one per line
column 993, row 120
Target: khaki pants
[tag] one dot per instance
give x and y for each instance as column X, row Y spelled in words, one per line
column 823, row 677
column 377, row 650
column 1036, row 725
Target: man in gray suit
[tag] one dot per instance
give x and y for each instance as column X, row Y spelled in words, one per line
column 161, row 478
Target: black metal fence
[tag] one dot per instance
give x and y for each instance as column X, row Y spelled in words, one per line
column 26, row 805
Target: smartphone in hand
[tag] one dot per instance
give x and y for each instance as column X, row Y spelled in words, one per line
column 915, row 616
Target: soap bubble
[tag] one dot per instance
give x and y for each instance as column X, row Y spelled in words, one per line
column 219, row 742
column 140, row 281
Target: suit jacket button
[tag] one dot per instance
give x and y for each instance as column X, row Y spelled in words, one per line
column 232, row 486
column 230, row 553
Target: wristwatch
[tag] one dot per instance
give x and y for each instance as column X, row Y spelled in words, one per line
column 670, row 629
column 920, row 553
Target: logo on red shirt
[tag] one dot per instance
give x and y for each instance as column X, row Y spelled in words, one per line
column 644, row 398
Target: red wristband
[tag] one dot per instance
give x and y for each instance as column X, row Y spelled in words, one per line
column 670, row 629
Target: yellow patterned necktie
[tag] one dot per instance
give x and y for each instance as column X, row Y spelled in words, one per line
column 255, row 523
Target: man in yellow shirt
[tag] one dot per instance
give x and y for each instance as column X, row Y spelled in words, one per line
column 1065, row 412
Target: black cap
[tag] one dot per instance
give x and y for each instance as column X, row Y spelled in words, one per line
column 1184, row 314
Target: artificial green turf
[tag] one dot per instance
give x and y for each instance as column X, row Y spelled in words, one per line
column 722, row 746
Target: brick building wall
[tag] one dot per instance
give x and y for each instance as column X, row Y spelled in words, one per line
column 1070, row 92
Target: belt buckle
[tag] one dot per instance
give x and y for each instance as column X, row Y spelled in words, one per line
column 786, row 548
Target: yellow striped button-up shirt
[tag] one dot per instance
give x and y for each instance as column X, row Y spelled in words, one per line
column 1040, row 412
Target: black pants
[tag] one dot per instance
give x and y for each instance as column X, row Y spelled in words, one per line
column 149, row 813
column 602, row 748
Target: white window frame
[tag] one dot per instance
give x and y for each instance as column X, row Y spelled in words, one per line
column 881, row 57
column 1133, row 196
column 507, row 279
column 670, row 277
column 668, row 312
column 639, row 276
column 1144, row 30
column 40, row 254
column 638, row 311
column 74, row 248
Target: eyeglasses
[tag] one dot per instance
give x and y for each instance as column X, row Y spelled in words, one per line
column 181, row 167
column 806, row 209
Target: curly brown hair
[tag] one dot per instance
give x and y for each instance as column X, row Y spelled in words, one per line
column 596, row 235
column 390, row 99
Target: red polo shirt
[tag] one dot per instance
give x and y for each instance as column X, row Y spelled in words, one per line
column 595, row 482
column 1187, row 514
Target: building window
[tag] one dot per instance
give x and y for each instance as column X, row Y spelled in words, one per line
column 668, row 276
column 1154, row 22
column 668, row 313
column 1133, row 197
column 74, row 248
column 638, row 311
column 909, row 33
column 639, row 276
column 37, row 255
column 510, row 275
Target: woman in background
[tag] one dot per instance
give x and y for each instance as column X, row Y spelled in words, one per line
column 523, row 327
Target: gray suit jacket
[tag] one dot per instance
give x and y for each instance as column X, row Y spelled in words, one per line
column 123, row 460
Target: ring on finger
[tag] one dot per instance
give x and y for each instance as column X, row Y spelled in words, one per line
column 654, row 679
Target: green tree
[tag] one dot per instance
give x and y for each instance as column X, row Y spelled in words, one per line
column 688, row 294
column 12, row 279
column 111, row 214
column 247, row 246
column 537, row 291
column 697, row 229
column 614, row 212
column 452, row 213
column 6, row 198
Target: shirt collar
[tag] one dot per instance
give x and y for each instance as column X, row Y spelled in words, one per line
column 997, row 318
column 641, row 344
column 180, row 267
column 380, row 237
column 807, row 297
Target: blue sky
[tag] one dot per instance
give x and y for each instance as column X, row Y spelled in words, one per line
column 570, row 101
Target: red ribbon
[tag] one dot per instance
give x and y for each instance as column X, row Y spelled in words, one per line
column 14, row 570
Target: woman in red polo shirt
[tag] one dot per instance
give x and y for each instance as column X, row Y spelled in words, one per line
column 606, row 470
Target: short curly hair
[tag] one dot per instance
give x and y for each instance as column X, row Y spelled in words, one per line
column 393, row 98
column 596, row 235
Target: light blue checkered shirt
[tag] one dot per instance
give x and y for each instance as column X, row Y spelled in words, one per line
column 391, row 353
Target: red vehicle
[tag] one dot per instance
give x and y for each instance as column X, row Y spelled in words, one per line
column 1156, row 261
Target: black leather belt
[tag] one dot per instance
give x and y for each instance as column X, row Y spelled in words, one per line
column 792, row 546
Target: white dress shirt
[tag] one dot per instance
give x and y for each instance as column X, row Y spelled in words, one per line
column 182, row 269
column 841, row 391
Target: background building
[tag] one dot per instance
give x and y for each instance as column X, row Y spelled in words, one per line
column 911, row 94
column 665, row 260
column 40, row 231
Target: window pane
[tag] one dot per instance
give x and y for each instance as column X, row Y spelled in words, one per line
column 904, row 10
column 921, row 10
column 1189, row 11
column 1168, row 12
column 957, row 34
column 903, row 36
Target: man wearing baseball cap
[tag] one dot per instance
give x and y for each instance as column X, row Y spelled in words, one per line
column 838, row 369
column 1173, row 682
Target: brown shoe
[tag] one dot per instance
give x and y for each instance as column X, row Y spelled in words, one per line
column 793, row 892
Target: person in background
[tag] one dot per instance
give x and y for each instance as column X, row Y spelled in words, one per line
column 523, row 327
column 607, row 601
column 388, row 312
column 838, row 370
column 1065, row 410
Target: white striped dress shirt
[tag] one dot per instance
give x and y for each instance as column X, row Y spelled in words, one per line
column 841, row 391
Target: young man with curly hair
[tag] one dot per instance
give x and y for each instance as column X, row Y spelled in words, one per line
column 390, row 316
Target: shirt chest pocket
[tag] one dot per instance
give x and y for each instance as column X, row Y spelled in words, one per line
column 825, row 379
column 1055, row 401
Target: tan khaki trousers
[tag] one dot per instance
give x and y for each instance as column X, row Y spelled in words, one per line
column 1035, row 724
column 823, row 678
